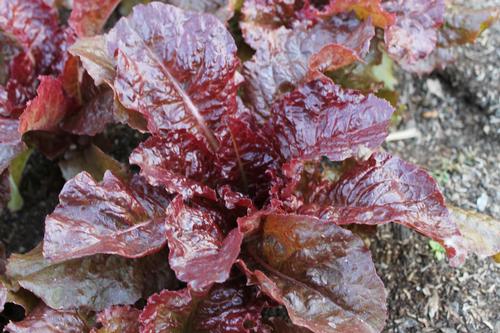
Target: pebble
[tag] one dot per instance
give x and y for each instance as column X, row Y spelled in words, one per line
column 482, row 202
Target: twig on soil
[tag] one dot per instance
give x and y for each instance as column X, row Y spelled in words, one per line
column 410, row 133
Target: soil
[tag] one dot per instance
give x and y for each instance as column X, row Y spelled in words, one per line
column 457, row 116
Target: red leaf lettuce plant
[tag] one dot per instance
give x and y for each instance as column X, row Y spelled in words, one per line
column 254, row 172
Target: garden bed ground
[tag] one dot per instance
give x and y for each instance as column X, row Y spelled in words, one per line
column 457, row 114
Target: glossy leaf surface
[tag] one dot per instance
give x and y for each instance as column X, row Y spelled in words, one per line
column 200, row 252
column 174, row 84
column 33, row 27
column 46, row 320
column 414, row 34
column 223, row 9
column 47, row 110
column 113, row 217
column 245, row 156
column 228, row 307
column 96, row 112
column 373, row 9
column 118, row 319
column 89, row 16
column 10, row 142
column 288, row 56
column 321, row 119
column 179, row 161
column 323, row 274
column 387, row 189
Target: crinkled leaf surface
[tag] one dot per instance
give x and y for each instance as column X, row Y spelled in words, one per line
column 89, row 16
column 287, row 57
column 323, row 274
column 17, row 78
column 363, row 9
column 387, row 189
column 95, row 113
column 228, row 307
column 414, row 34
column 118, row 319
column 223, row 9
column 113, row 217
column 260, row 17
column 46, row 320
column 177, row 68
column 462, row 25
column 321, row 119
column 11, row 144
column 481, row 232
column 200, row 251
column 46, row 111
column 94, row 283
column 179, row 161
column 35, row 26
column 184, row 164
column 245, row 155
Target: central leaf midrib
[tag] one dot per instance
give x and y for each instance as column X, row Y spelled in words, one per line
column 187, row 101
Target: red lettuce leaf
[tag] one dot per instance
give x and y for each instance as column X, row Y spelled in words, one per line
column 481, row 232
column 228, row 307
column 414, row 34
column 321, row 119
column 462, row 25
column 93, row 53
column 89, row 16
column 118, row 319
column 180, row 162
column 201, row 253
column 36, row 27
column 11, row 144
column 17, row 77
column 100, row 281
column 245, row 156
column 95, row 113
column 222, row 9
column 288, row 56
column 363, row 9
column 184, row 164
column 46, row 320
column 160, row 74
column 113, row 217
column 323, row 274
column 260, row 17
column 47, row 110
column 387, row 189
column 33, row 27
